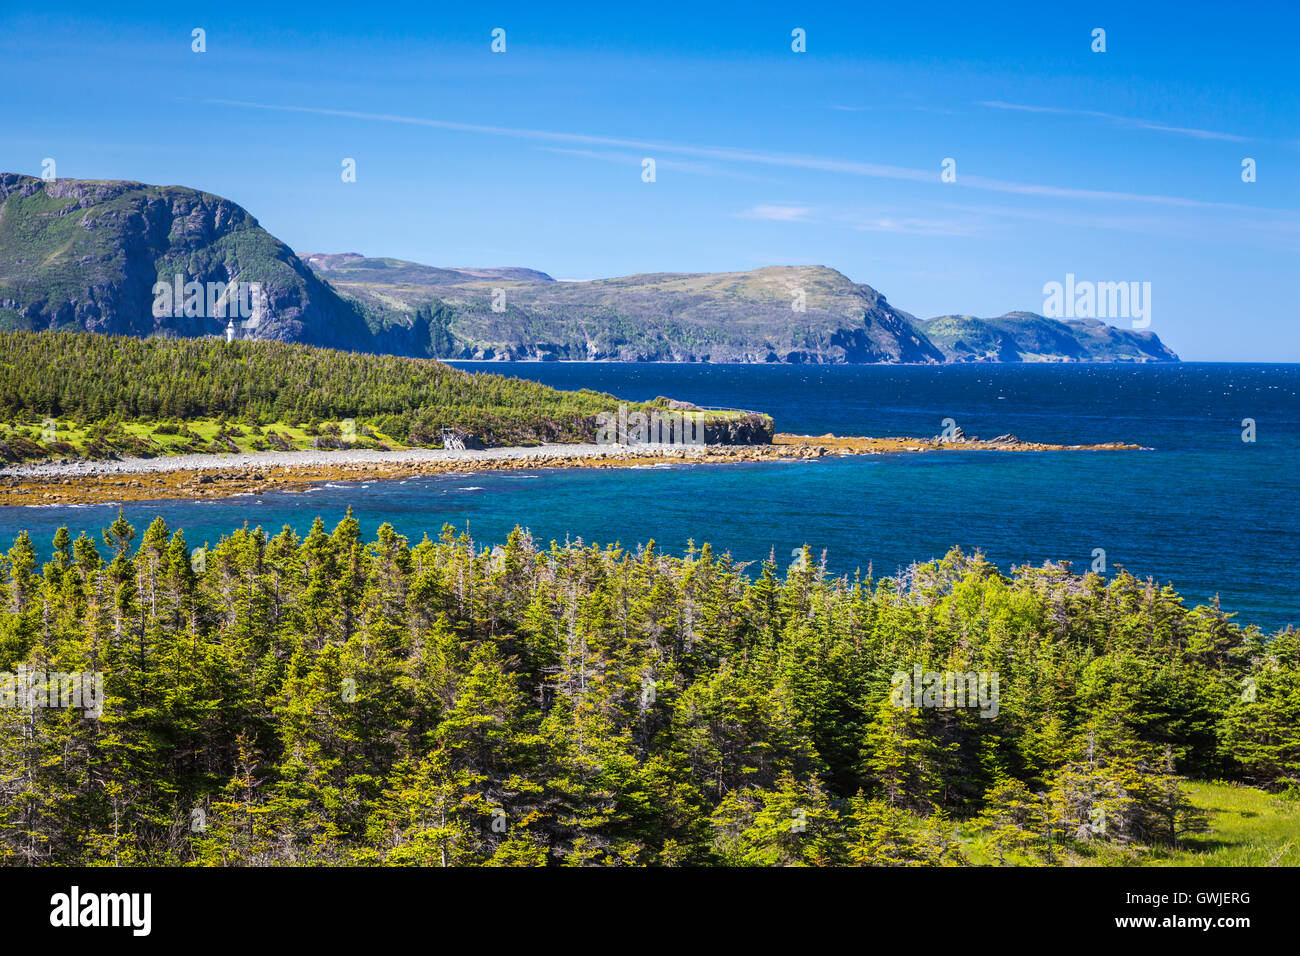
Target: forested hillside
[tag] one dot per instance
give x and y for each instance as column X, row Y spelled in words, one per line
column 80, row 379
column 328, row 699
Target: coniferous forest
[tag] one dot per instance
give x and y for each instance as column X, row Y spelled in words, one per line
column 333, row 700
column 89, row 378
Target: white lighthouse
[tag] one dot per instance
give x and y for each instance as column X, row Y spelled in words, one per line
column 230, row 331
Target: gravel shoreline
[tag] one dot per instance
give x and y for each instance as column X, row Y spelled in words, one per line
column 218, row 476
column 325, row 459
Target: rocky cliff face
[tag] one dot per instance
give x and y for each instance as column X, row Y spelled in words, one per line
column 87, row 254
column 748, row 430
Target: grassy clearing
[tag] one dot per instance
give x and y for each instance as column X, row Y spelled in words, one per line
column 1246, row 827
column 199, row 435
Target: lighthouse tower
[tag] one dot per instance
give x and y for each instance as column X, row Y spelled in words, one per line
column 230, row 331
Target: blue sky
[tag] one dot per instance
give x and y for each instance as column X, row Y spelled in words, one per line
column 1115, row 166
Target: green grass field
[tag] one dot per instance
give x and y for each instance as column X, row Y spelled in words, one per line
column 195, row 436
column 1245, row 827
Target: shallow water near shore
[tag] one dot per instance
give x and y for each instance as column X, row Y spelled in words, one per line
column 1203, row 511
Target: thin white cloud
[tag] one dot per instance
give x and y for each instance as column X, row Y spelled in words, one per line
column 777, row 213
column 871, row 221
column 723, row 153
column 1113, row 118
column 630, row 159
column 890, row 107
column 915, row 225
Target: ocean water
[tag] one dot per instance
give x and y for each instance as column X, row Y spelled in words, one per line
column 1204, row 510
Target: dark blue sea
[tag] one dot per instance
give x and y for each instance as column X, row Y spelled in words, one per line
column 1205, row 511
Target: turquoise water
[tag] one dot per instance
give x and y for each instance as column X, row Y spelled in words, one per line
column 1204, row 510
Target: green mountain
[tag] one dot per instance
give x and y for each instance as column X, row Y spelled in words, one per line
column 86, row 254
column 1027, row 337
column 90, row 254
column 711, row 317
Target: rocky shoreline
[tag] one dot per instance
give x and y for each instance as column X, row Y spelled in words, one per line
column 220, row 476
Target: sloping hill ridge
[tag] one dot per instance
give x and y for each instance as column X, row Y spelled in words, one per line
column 682, row 317
column 86, row 254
